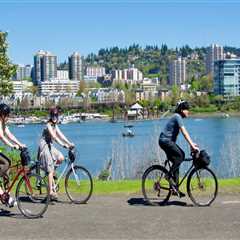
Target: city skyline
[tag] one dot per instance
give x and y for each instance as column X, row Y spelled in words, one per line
column 101, row 24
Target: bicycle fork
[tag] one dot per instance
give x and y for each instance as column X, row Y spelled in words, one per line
column 75, row 175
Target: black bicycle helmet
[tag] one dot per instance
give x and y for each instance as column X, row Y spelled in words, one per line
column 4, row 109
column 182, row 105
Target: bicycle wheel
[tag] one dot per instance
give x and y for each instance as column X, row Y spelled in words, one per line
column 31, row 202
column 155, row 186
column 202, row 186
column 78, row 185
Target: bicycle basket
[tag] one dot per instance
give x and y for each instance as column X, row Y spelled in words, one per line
column 25, row 157
column 202, row 160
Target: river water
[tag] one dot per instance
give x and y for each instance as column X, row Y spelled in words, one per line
column 99, row 141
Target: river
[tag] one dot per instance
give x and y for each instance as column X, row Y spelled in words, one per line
column 99, row 141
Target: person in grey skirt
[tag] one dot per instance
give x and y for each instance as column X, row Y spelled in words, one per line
column 48, row 155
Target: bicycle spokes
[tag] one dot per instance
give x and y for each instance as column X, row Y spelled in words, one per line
column 155, row 186
column 202, row 186
column 32, row 195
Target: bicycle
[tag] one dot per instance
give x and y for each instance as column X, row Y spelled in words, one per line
column 78, row 181
column 30, row 202
column 202, row 184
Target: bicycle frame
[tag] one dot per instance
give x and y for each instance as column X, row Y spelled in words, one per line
column 22, row 172
column 186, row 173
column 65, row 170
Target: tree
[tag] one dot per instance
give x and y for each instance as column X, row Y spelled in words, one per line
column 33, row 90
column 175, row 94
column 7, row 70
column 81, row 88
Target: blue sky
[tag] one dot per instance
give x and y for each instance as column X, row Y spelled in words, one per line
column 86, row 26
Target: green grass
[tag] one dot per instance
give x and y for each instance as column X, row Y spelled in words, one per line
column 226, row 186
column 135, row 186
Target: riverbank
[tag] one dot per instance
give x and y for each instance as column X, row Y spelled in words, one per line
column 21, row 121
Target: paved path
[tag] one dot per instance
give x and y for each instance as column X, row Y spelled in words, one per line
column 126, row 217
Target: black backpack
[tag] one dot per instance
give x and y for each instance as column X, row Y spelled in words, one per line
column 25, row 157
column 203, row 159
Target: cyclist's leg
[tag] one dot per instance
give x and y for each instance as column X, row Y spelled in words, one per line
column 177, row 157
column 56, row 155
column 175, row 154
column 47, row 163
column 5, row 163
column 4, row 166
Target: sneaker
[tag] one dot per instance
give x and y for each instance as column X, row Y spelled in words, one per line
column 53, row 197
column 178, row 193
column 11, row 202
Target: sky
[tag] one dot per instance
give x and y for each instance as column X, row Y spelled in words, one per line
column 65, row 26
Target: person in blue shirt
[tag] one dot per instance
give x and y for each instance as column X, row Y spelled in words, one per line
column 167, row 141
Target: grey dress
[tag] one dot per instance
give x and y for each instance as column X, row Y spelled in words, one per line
column 47, row 153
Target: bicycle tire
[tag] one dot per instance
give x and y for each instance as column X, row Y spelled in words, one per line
column 200, row 182
column 25, row 198
column 151, row 186
column 76, row 193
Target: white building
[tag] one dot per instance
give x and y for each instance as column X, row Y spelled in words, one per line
column 59, row 87
column 177, row 72
column 147, row 91
column 20, row 88
column 62, row 74
column 130, row 75
column 109, row 95
column 215, row 53
column 92, row 71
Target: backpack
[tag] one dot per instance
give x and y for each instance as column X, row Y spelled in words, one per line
column 203, row 159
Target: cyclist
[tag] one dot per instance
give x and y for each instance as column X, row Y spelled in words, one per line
column 10, row 140
column 167, row 141
column 48, row 155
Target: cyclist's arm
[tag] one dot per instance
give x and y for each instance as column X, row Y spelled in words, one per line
column 187, row 137
column 62, row 137
column 6, row 140
column 54, row 136
column 12, row 137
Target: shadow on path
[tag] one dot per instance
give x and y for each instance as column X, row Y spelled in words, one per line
column 141, row 201
column 7, row 213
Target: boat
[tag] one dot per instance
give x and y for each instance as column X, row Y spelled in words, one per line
column 129, row 132
column 20, row 125
column 225, row 115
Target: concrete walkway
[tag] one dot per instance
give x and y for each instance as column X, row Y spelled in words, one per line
column 127, row 217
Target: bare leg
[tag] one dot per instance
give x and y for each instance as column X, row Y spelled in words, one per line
column 50, row 182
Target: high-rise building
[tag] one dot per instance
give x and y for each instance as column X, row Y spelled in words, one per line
column 215, row 52
column 23, row 72
column 75, row 67
column 227, row 77
column 177, row 72
column 45, row 66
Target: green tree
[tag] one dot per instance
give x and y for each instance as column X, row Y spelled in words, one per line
column 7, row 70
column 175, row 94
column 33, row 90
